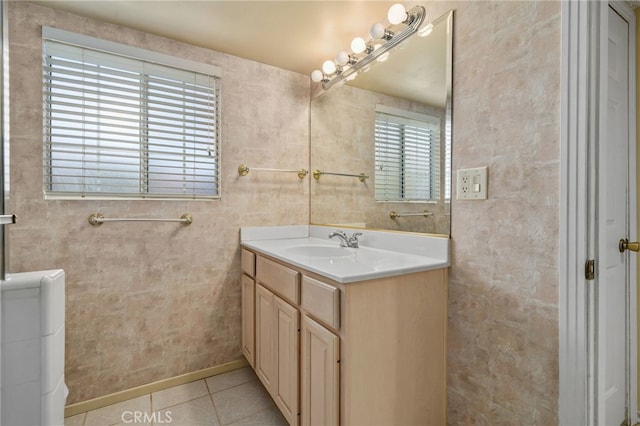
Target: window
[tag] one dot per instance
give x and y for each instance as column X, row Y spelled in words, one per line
column 407, row 156
column 125, row 122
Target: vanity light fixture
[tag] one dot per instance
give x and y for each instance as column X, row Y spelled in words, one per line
column 346, row 66
column 329, row 67
column 425, row 31
column 358, row 45
column 397, row 14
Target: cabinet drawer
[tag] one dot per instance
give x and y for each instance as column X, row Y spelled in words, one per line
column 248, row 262
column 282, row 280
column 321, row 301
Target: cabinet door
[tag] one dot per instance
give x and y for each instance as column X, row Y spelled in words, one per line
column 265, row 334
column 320, row 355
column 248, row 318
column 287, row 341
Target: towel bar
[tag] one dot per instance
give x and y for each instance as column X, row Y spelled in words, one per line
column 96, row 219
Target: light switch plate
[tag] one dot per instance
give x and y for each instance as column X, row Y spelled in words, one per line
column 472, row 184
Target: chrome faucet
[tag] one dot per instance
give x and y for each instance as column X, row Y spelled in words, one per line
column 346, row 241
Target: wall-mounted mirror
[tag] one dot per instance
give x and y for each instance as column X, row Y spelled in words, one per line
column 391, row 129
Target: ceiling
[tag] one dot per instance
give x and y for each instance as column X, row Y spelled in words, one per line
column 293, row 35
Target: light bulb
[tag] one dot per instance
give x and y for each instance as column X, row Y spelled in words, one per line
column 358, row 45
column 425, row 31
column 316, row 76
column 329, row 67
column 377, row 31
column 397, row 14
column 342, row 58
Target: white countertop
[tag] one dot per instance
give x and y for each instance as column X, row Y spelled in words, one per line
column 381, row 254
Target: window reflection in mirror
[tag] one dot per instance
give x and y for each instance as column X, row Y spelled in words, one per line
column 392, row 123
column 407, row 155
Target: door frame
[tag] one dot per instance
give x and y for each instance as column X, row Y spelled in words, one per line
column 583, row 23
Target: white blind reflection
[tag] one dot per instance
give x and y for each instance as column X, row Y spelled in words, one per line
column 407, row 155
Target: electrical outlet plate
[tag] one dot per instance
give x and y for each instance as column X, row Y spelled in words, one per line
column 472, row 184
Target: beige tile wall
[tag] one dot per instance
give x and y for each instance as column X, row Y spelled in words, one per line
column 150, row 301
column 503, row 290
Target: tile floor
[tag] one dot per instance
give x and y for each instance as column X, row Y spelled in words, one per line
column 233, row 398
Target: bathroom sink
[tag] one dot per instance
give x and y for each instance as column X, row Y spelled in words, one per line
column 321, row 251
column 387, row 255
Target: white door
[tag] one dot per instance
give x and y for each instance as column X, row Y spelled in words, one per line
column 597, row 326
column 611, row 359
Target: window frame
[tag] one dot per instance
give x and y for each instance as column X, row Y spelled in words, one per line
column 151, row 59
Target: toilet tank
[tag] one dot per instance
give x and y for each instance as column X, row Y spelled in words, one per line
column 33, row 391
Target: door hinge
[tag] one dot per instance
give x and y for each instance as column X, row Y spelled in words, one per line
column 590, row 269
column 7, row 219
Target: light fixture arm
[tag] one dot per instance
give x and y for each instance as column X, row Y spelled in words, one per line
column 388, row 35
column 415, row 17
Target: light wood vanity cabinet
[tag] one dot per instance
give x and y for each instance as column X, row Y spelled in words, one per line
column 277, row 342
column 265, row 363
column 321, row 301
column 287, row 343
column 363, row 353
column 248, row 318
column 248, row 265
column 277, row 335
column 320, row 390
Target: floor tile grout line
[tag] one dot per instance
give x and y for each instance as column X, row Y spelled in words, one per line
column 235, row 386
column 215, row 410
column 246, row 417
column 183, row 402
column 254, row 379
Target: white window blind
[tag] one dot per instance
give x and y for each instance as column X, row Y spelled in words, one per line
column 118, row 126
column 447, row 157
column 407, row 156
